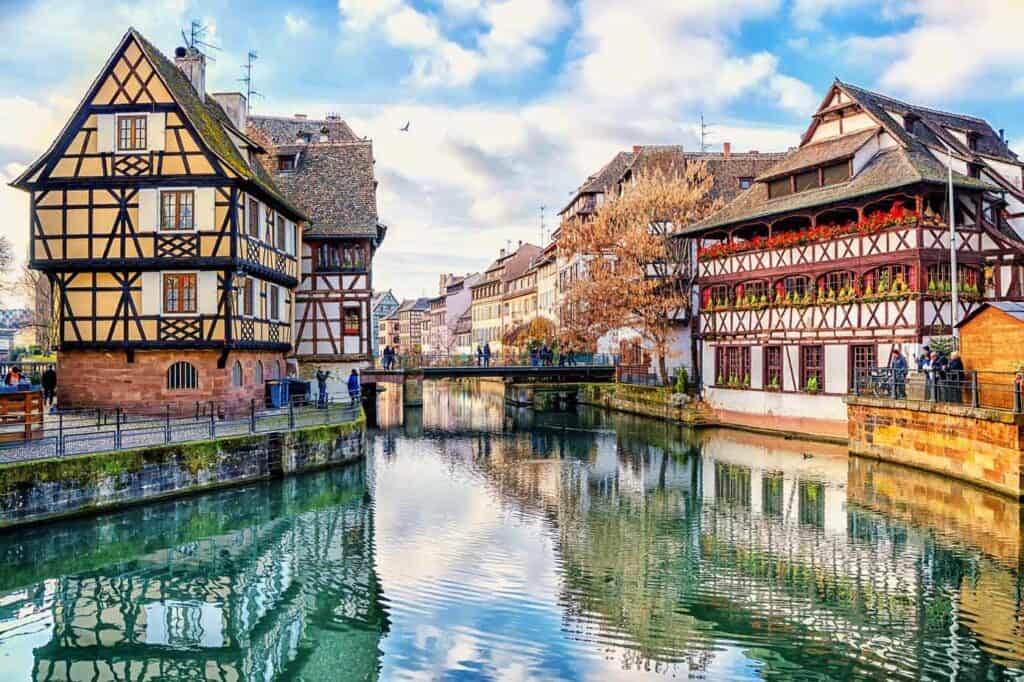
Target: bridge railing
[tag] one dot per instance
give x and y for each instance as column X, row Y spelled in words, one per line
column 499, row 360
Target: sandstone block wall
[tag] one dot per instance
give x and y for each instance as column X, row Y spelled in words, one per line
column 985, row 447
column 105, row 379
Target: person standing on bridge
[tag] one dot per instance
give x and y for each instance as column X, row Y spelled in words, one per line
column 354, row 389
column 49, row 385
column 321, row 384
column 487, row 354
column 479, row 356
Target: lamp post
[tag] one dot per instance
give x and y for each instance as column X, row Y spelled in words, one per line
column 954, row 281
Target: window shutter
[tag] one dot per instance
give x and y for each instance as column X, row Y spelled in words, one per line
column 205, row 209
column 152, row 293
column 207, row 285
column 290, row 237
column 281, row 311
column 105, row 130
column 155, row 131
column 149, row 210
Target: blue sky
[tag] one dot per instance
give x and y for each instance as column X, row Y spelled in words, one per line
column 513, row 102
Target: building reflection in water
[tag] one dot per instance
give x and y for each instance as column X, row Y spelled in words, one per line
column 675, row 548
column 274, row 580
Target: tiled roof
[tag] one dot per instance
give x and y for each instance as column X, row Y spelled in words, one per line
column 603, row 179
column 989, row 143
column 889, row 169
column 333, row 181
column 519, row 262
column 817, row 153
column 1012, row 308
column 210, row 121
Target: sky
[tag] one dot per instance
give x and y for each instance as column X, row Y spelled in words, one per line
column 512, row 103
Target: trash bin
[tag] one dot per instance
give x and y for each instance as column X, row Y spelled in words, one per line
column 276, row 393
column 298, row 391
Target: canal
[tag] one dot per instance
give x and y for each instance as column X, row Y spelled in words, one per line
column 485, row 541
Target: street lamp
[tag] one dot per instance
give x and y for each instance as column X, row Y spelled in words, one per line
column 954, row 283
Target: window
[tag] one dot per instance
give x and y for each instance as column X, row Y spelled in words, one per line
column 780, row 187
column 282, row 235
column 254, row 218
column 176, row 210
column 733, row 366
column 180, row 293
column 806, row 180
column 863, row 359
column 721, row 294
column 754, row 291
column 812, row 360
column 352, row 324
column 835, row 173
column 745, row 183
column 773, row 367
column 182, row 376
column 797, row 285
column 248, row 296
column 131, row 133
column 332, row 257
column 257, row 373
column 974, row 170
column 887, row 275
column 286, row 162
column 236, row 374
column 275, row 303
column 268, row 232
column 837, row 282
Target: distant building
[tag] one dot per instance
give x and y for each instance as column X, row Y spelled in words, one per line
column 489, row 315
column 325, row 169
column 382, row 304
column 413, row 316
column 464, row 335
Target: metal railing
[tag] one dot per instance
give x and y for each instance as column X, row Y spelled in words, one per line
column 76, row 433
column 498, row 360
column 974, row 388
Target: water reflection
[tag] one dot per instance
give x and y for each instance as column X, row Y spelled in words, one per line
column 481, row 541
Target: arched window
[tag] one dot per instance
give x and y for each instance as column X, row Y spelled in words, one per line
column 182, row 376
column 837, row 282
column 273, row 371
column 236, row 374
column 257, row 373
column 752, row 292
column 797, row 285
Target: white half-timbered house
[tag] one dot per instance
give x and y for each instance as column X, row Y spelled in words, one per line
column 841, row 252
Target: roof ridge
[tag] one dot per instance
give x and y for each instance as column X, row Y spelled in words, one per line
column 911, row 105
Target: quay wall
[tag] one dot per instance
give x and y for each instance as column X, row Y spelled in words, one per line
column 985, row 447
column 646, row 401
column 41, row 490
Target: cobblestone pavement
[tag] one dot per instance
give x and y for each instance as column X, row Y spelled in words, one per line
column 86, row 434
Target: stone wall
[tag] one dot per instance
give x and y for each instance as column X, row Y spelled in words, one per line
column 45, row 489
column 647, row 401
column 105, row 379
column 985, row 447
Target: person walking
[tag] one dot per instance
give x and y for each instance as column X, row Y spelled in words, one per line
column 487, row 354
column 354, row 389
column 49, row 385
column 479, row 356
column 898, row 365
column 937, row 370
column 321, row 384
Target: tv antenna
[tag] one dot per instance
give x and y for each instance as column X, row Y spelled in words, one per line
column 704, row 133
column 250, row 94
column 195, row 38
column 543, row 229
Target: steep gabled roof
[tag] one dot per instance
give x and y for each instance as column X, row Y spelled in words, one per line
column 818, row 153
column 604, row 179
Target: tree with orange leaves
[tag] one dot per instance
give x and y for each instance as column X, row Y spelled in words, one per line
column 634, row 272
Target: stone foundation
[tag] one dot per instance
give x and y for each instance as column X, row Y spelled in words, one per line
column 646, row 401
column 982, row 446
column 40, row 490
column 89, row 379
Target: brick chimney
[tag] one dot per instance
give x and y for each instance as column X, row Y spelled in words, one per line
column 727, row 148
column 192, row 63
column 637, row 148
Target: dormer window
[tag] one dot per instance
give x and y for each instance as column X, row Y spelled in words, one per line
column 972, row 141
column 286, row 162
column 909, row 121
column 974, row 170
column 745, row 183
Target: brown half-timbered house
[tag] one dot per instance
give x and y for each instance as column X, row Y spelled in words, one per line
column 170, row 253
column 322, row 167
column 841, row 252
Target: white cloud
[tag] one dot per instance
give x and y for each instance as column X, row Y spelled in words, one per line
column 295, row 24
column 949, row 47
column 808, row 14
column 518, row 30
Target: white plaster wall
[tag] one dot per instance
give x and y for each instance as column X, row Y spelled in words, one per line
column 768, row 403
column 708, row 371
column 857, row 122
column 837, row 362
column 864, row 155
column 757, row 367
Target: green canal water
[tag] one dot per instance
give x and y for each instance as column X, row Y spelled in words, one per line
column 480, row 541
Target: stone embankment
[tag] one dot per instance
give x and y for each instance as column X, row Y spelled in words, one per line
column 40, row 490
column 647, row 401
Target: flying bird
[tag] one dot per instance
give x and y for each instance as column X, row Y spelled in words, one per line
column 405, row 128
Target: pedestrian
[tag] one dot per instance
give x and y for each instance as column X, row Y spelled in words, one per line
column 898, row 367
column 572, row 356
column 487, row 354
column 49, row 385
column 534, row 355
column 954, row 378
column 321, row 384
column 353, row 386
column 13, row 377
column 924, row 358
column 937, row 370
column 479, row 356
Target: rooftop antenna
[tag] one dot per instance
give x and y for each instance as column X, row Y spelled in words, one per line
column 194, row 38
column 704, row 133
column 247, row 79
column 543, row 228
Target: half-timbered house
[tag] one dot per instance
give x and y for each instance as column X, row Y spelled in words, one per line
column 322, row 167
column 841, row 252
column 170, row 252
